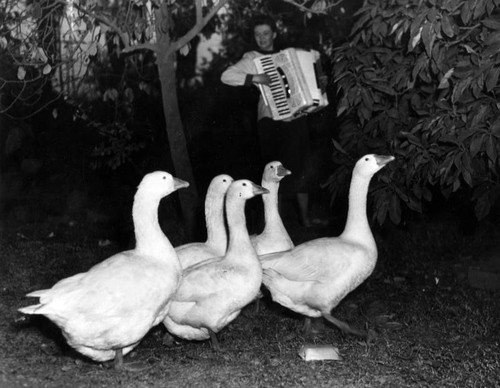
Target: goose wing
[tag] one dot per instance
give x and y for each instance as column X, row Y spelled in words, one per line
column 311, row 261
column 204, row 279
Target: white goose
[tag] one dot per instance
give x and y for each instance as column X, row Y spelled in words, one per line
column 312, row 278
column 216, row 243
column 104, row 313
column 274, row 237
column 213, row 292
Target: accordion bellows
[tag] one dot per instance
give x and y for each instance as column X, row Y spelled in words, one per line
column 294, row 89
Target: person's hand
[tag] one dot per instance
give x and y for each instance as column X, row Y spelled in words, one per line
column 262, row 78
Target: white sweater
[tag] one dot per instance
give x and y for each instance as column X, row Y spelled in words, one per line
column 240, row 74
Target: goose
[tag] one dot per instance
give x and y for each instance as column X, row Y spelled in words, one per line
column 105, row 312
column 216, row 243
column 312, row 278
column 274, row 237
column 213, row 292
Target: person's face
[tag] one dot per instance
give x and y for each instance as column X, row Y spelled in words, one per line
column 264, row 37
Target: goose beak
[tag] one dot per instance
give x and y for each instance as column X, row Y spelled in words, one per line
column 179, row 183
column 382, row 160
column 257, row 190
column 282, row 171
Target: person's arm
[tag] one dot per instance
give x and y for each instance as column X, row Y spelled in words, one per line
column 244, row 73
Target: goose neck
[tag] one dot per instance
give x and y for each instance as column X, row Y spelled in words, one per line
column 236, row 221
column 357, row 226
column 270, row 201
column 214, row 217
column 149, row 237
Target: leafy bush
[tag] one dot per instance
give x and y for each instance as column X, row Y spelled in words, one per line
column 419, row 80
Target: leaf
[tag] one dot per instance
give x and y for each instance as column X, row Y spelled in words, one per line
column 491, row 78
column 129, row 95
column 459, row 89
column 492, row 38
column 40, row 55
column 21, row 73
column 479, row 8
column 469, row 49
column 184, row 50
column 384, row 89
column 367, row 100
column 492, row 22
column 110, row 95
column 338, row 147
column 415, row 39
column 479, row 116
column 420, row 64
column 467, row 177
column 54, row 113
column 444, row 83
column 475, row 145
column 491, row 150
column 46, row 69
column 343, row 106
column 465, row 12
column 428, row 38
column 92, row 49
column 36, row 10
column 447, row 26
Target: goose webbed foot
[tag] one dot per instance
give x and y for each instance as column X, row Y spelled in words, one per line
column 312, row 326
column 344, row 326
column 168, row 340
column 130, row 366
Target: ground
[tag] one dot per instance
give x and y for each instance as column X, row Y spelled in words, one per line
column 428, row 327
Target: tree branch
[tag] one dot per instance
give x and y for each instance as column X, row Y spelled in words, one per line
column 304, row 8
column 123, row 36
column 200, row 23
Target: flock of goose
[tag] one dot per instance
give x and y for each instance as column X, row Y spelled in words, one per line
column 197, row 289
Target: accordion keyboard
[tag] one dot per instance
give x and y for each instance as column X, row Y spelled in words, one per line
column 278, row 89
column 293, row 90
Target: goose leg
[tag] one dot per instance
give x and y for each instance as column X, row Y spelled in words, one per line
column 306, row 329
column 168, row 340
column 214, row 341
column 119, row 364
column 344, row 326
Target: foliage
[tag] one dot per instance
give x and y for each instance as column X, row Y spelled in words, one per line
column 419, row 79
column 318, row 24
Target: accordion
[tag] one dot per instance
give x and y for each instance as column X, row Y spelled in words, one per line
column 294, row 89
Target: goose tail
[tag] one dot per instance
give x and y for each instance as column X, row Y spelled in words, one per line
column 33, row 309
column 37, row 294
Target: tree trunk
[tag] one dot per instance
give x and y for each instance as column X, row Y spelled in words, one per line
column 178, row 145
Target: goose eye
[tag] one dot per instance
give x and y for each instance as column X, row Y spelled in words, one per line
column 164, row 177
column 244, row 184
column 366, row 159
column 224, row 180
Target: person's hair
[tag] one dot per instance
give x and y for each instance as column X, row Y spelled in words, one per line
column 260, row 20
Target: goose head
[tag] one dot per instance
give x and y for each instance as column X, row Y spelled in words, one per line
column 275, row 172
column 245, row 189
column 370, row 164
column 159, row 184
column 220, row 184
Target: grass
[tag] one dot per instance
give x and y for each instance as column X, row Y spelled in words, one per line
column 430, row 329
